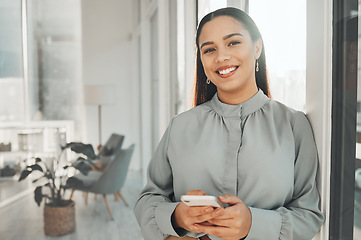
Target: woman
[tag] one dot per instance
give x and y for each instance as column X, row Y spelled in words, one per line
column 256, row 154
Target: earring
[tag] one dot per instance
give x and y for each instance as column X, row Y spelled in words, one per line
column 257, row 66
column 208, row 81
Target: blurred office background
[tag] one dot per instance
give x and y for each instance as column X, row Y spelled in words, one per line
column 141, row 54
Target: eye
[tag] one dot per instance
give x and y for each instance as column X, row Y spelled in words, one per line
column 234, row 43
column 209, row 50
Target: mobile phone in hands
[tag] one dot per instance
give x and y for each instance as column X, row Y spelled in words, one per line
column 201, row 200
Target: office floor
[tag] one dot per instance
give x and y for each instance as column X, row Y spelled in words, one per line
column 23, row 219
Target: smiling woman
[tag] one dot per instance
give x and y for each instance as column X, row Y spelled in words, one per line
column 214, row 149
column 229, row 58
column 245, row 47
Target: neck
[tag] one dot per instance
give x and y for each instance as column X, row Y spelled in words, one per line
column 235, row 98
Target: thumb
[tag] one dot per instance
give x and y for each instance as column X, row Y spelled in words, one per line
column 196, row 192
column 229, row 199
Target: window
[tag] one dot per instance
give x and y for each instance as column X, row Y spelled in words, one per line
column 206, row 6
column 49, row 88
column 345, row 199
column 54, row 59
column 11, row 62
column 282, row 24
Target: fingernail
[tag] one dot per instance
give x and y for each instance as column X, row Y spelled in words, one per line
column 209, row 210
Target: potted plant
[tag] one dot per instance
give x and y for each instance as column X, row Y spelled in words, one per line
column 59, row 213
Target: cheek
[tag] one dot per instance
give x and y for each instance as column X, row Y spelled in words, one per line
column 244, row 54
column 206, row 66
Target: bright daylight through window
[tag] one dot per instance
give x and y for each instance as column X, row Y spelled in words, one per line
column 283, row 26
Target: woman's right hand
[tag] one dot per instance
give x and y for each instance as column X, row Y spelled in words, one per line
column 185, row 216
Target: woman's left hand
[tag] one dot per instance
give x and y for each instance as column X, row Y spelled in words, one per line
column 233, row 222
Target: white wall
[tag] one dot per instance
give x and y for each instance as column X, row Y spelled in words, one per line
column 319, row 94
column 106, row 54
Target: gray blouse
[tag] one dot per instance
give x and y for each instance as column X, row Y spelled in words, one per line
column 260, row 150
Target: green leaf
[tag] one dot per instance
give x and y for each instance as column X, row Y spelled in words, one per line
column 74, row 182
column 79, row 160
column 82, row 166
column 24, row 174
column 36, row 167
column 38, row 195
column 78, row 147
column 48, row 176
column 35, row 180
column 92, row 163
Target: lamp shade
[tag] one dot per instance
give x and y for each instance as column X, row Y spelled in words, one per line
column 99, row 94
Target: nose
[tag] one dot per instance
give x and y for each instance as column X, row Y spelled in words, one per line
column 222, row 55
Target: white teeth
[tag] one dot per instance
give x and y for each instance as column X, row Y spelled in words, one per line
column 228, row 70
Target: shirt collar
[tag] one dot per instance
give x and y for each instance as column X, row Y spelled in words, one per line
column 241, row 110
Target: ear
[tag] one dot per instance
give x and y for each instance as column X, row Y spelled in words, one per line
column 258, row 47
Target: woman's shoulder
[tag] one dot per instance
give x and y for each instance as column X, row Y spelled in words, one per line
column 192, row 115
column 281, row 108
column 297, row 118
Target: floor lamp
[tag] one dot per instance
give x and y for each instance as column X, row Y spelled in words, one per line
column 99, row 95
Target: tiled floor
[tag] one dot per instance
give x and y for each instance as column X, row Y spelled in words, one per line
column 23, row 219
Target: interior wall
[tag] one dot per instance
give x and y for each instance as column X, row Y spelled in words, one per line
column 106, row 54
column 319, row 95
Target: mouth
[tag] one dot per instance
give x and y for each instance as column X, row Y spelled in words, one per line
column 225, row 72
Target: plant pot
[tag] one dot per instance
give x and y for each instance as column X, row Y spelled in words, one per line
column 59, row 220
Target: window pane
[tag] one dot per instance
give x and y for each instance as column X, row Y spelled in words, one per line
column 54, row 46
column 11, row 73
column 344, row 107
column 357, row 207
column 283, row 26
column 155, row 78
column 207, row 6
column 10, row 39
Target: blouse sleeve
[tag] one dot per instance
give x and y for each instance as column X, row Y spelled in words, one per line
column 300, row 218
column 154, row 207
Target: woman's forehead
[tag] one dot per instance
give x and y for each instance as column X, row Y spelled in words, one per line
column 221, row 26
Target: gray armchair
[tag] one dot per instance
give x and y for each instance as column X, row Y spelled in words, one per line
column 109, row 151
column 108, row 182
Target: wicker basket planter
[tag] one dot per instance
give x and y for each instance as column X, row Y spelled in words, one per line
column 59, row 220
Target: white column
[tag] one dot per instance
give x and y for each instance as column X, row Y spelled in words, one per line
column 319, row 93
column 146, row 96
column 24, row 30
column 235, row 3
column 189, row 41
column 164, row 66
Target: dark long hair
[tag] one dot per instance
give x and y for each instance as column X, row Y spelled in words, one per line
column 203, row 91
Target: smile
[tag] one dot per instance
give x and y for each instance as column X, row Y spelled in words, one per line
column 226, row 72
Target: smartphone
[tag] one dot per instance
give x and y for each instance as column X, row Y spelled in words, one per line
column 200, row 200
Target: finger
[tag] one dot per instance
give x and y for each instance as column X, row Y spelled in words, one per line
column 232, row 217
column 212, row 230
column 196, row 192
column 194, row 228
column 206, row 224
column 229, row 199
column 229, row 212
column 222, row 222
column 197, row 211
column 205, row 217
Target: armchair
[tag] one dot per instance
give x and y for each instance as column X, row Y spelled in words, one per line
column 109, row 151
column 108, row 182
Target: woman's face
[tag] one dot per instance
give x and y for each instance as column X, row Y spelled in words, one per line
column 228, row 55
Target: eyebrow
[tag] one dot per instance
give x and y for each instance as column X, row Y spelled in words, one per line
column 224, row 38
